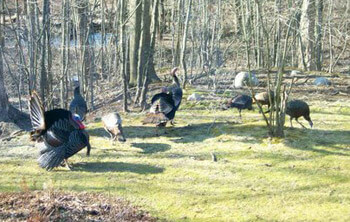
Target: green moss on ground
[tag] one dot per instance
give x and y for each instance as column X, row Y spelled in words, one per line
column 170, row 172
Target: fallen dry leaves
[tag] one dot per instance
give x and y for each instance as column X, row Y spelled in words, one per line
column 34, row 206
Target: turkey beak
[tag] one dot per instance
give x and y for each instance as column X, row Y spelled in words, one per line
column 311, row 123
column 121, row 137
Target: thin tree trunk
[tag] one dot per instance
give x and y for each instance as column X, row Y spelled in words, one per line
column 150, row 65
column 180, row 6
column 63, row 52
column 123, row 53
column 135, row 42
column 31, row 44
column 331, row 56
column 43, row 74
column 144, row 49
column 184, row 40
column 307, row 26
column 4, row 103
column 319, row 35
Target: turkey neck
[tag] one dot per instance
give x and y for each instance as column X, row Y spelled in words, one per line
column 176, row 80
column 77, row 91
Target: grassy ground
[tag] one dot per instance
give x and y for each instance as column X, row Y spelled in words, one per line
column 170, row 172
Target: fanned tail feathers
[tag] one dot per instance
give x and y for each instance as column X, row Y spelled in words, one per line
column 36, row 116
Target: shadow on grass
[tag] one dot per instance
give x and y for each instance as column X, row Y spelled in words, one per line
column 102, row 167
column 193, row 132
column 324, row 142
column 149, row 148
column 100, row 132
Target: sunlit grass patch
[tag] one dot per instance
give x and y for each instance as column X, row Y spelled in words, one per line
column 171, row 173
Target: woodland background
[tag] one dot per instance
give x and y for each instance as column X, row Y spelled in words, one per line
column 125, row 45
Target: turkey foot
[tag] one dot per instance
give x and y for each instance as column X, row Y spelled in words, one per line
column 67, row 165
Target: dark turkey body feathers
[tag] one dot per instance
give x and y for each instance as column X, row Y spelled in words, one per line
column 53, row 156
column 240, row 102
column 162, row 110
column 296, row 109
column 165, row 104
column 176, row 93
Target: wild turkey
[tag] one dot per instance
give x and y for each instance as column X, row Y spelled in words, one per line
column 165, row 104
column 78, row 104
column 175, row 89
column 263, row 99
column 62, row 132
column 296, row 109
column 113, row 125
column 240, row 102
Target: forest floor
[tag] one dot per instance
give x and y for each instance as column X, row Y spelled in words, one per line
column 170, row 172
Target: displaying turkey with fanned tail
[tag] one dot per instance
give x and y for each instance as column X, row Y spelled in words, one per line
column 61, row 131
column 78, row 104
column 297, row 108
column 165, row 104
column 240, row 102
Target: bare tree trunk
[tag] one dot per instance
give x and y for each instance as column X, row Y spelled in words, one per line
column 144, row 49
column 8, row 112
column 4, row 103
column 123, row 53
column 307, row 27
column 135, row 41
column 238, row 17
column 83, row 28
column 180, row 6
column 44, row 89
column 81, row 7
column 319, row 35
column 184, row 40
column 103, row 37
column 150, row 65
column 277, row 45
column 331, row 56
column 31, row 44
column 173, row 26
column 64, row 59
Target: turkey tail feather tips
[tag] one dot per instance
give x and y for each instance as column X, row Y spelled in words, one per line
column 36, row 112
column 51, row 158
